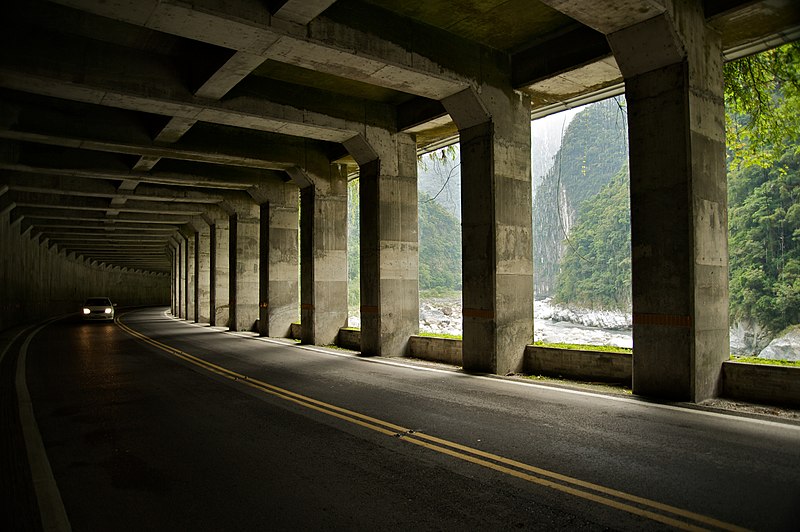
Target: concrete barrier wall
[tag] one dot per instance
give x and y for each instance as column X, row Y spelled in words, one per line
column 446, row 350
column 761, row 383
column 37, row 282
column 581, row 365
column 349, row 339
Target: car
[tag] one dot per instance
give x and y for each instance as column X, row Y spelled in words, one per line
column 98, row 308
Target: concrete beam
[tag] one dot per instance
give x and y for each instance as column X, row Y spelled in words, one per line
column 608, row 16
column 222, row 181
column 55, row 201
column 153, row 220
column 301, row 11
column 249, row 27
column 70, row 186
column 132, row 148
column 151, row 89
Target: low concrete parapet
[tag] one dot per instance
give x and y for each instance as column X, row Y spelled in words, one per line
column 582, row 365
column 761, row 383
column 349, row 339
column 446, row 350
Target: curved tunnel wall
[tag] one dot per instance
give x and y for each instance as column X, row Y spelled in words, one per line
column 37, row 282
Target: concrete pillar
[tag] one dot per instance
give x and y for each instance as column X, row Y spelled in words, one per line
column 244, row 265
column 219, row 249
column 389, row 242
column 279, row 285
column 202, row 248
column 171, row 253
column 181, row 277
column 174, row 248
column 323, row 253
column 494, row 128
column 190, row 279
column 672, row 65
column 203, row 253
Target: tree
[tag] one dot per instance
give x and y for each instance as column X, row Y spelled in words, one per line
column 596, row 268
column 764, row 221
column 762, row 99
column 439, row 247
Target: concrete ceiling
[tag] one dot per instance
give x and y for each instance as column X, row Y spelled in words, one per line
column 122, row 122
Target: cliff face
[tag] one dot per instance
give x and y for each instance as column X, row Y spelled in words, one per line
column 593, row 150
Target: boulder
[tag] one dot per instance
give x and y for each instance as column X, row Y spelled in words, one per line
column 784, row 347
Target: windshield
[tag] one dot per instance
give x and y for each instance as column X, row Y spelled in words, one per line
column 98, row 302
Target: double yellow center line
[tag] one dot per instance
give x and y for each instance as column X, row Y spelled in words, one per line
column 619, row 500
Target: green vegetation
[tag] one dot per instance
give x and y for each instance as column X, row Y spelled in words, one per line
column 593, row 151
column 762, row 95
column 439, row 247
column 763, row 132
column 596, row 268
column 441, row 335
column 583, row 347
column 762, row 100
column 764, row 221
column 766, row 361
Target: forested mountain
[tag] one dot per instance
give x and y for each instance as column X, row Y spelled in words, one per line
column 596, row 268
column 593, row 150
column 439, row 247
column 764, row 245
column 763, row 130
column 762, row 101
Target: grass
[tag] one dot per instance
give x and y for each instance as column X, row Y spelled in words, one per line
column 439, row 293
column 577, row 347
column 441, row 335
column 766, row 361
column 581, row 347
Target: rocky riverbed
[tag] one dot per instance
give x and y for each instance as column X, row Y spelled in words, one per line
column 558, row 324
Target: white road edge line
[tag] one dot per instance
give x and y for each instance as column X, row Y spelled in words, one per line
column 11, row 342
column 496, row 379
column 51, row 506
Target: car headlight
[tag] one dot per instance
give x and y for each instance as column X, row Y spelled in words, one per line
column 108, row 311
column 87, row 311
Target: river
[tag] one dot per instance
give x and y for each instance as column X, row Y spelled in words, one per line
column 551, row 324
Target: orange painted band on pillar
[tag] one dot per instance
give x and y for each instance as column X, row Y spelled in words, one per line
column 478, row 313
column 665, row 320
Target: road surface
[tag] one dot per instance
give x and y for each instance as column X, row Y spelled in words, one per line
column 153, row 423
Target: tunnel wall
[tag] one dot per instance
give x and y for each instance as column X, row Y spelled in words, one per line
column 37, row 282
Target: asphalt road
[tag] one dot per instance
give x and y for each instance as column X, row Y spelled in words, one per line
column 156, row 424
